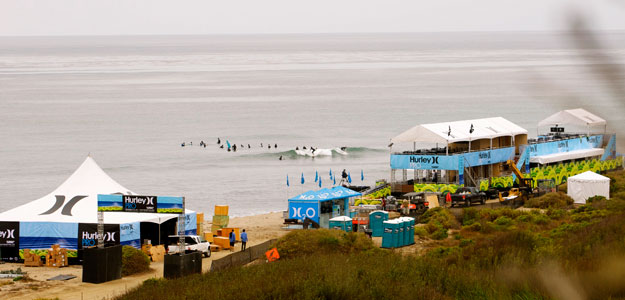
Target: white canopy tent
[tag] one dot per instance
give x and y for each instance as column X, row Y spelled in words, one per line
column 81, row 189
column 588, row 184
column 458, row 131
column 577, row 117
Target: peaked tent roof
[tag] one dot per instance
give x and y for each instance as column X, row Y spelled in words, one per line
column 76, row 201
column 487, row 128
column 578, row 116
column 589, row 176
column 325, row 194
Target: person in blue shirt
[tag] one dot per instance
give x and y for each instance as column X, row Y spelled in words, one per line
column 243, row 240
column 232, row 240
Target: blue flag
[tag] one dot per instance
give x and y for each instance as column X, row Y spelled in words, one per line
column 330, row 173
column 349, row 177
column 302, row 181
column 362, row 175
column 316, row 176
column 319, row 181
column 334, row 178
column 287, row 180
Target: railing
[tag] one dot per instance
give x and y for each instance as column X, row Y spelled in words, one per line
column 441, row 151
column 241, row 258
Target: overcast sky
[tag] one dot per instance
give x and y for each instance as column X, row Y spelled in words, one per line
column 114, row 17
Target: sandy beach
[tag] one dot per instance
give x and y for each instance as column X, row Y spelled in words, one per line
column 260, row 228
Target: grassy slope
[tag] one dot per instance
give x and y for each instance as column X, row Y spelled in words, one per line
column 492, row 254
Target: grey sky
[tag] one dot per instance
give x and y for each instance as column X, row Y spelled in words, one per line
column 113, row 17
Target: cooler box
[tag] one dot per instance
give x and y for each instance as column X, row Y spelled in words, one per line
column 387, row 234
column 376, row 220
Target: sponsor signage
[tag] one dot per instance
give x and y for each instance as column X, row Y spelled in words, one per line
column 141, row 204
column 88, row 235
column 9, row 234
column 302, row 209
column 557, row 129
column 424, row 162
column 488, row 157
column 562, row 146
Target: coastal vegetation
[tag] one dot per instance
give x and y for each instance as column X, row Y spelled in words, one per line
column 134, row 261
column 557, row 252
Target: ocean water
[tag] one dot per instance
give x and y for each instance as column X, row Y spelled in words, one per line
column 131, row 101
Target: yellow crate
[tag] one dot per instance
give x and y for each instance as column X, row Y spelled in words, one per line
column 221, row 210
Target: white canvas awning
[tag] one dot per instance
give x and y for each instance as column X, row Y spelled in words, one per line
column 576, row 154
column 76, row 201
column 440, row 132
column 578, row 116
column 588, row 184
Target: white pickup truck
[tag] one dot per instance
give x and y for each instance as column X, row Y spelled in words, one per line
column 192, row 242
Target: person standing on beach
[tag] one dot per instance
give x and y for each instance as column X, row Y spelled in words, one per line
column 232, row 240
column 243, row 240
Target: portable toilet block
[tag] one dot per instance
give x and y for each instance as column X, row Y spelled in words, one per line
column 376, row 220
column 387, row 234
column 342, row 223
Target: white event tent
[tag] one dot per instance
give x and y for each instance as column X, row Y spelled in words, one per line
column 458, row 131
column 588, row 184
column 578, row 117
column 68, row 215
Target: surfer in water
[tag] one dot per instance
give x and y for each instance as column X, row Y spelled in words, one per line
column 221, row 147
column 218, row 141
column 182, row 145
column 269, row 146
column 304, row 147
column 343, row 148
column 280, row 157
column 297, row 148
column 248, row 146
column 234, row 148
column 275, row 146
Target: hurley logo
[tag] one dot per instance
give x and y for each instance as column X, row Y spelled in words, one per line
column 108, row 236
column 7, row 234
column 423, row 159
column 139, row 200
column 67, row 209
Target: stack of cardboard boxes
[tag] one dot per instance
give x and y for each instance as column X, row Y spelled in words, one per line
column 156, row 253
column 57, row 257
column 31, row 259
column 200, row 222
column 220, row 219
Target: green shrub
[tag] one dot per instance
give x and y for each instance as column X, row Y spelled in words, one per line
column 503, row 221
column 595, row 199
column 550, row 200
column 420, row 231
column 439, row 234
column 473, row 227
column 556, row 214
column 541, row 219
column 134, row 261
column 469, row 216
column 309, row 242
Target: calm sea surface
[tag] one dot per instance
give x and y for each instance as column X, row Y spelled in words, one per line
column 131, row 102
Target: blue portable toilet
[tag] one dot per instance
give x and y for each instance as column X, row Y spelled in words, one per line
column 407, row 231
column 387, row 234
column 341, row 223
column 400, row 234
column 395, row 226
column 376, row 222
column 411, row 222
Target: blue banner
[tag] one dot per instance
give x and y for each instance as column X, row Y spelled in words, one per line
column 424, row 162
column 581, row 143
column 302, row 209
column 130, row 234
column 41, row 235
column 488, row 157
column 190, row 224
